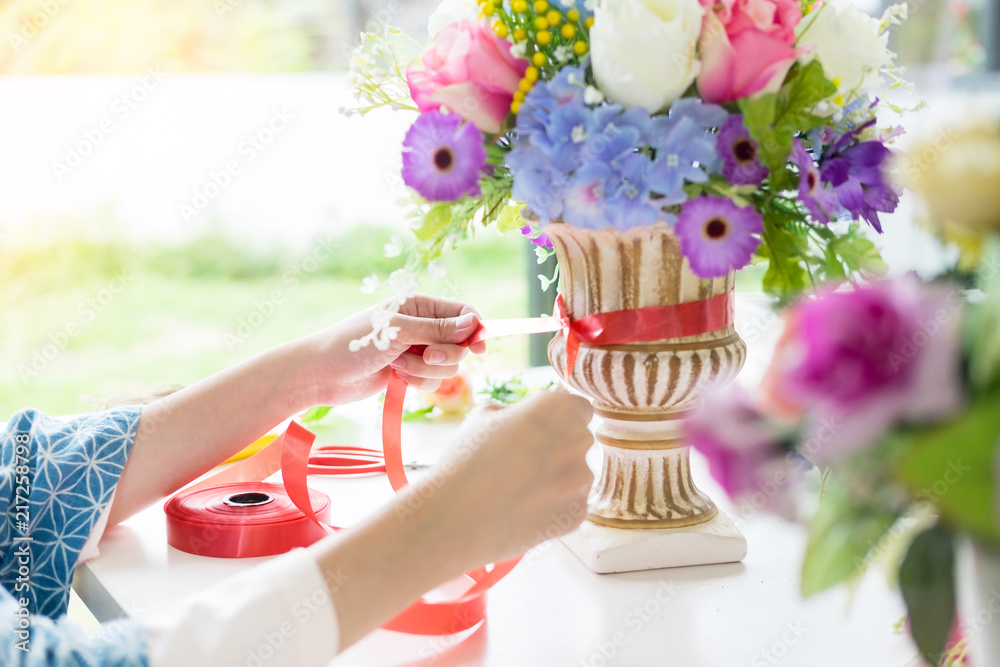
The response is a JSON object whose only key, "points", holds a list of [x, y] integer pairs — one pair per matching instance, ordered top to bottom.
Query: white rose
{"points": [[452, 11], [851, 46], [643, 51]]}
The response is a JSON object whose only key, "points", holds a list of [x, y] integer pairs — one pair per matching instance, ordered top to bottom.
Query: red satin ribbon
{"points": [[642, 325], [199, 521]]}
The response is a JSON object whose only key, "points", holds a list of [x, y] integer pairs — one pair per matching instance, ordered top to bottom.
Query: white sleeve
{"points": [[277, 614]]}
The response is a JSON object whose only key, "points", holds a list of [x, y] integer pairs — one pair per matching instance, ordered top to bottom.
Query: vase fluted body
{"points": [[642, 391]]}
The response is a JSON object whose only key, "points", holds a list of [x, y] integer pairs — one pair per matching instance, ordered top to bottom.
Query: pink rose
{"points": [[746, 47], [469, 70]]}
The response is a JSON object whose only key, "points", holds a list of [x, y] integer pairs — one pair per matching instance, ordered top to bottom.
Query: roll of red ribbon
{"points": [[243, 520]]}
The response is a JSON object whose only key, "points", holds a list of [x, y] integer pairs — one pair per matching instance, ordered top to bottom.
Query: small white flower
{"points": [[590, 5], [895, 15], [852, 47], [520, 49], [563, 54], [593, 96], [579, 134], [394, 248], [436, 270], [404, 284], [369, 285], [382, 318]]}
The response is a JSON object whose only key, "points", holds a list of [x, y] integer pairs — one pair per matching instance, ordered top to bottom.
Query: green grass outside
{"points": [[71, 328]]}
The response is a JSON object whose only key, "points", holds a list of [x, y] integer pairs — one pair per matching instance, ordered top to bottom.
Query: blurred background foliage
{"points": [[119, 36], [192, 308]]}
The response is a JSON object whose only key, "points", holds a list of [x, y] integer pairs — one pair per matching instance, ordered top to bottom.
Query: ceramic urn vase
{"points": [[642, 391]]}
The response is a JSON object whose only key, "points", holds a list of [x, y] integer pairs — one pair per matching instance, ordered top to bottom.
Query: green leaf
{"points": [[806, 89], [761, 116], [775, 118], [510, 218], [434, 221], [857, 251], [833, 269], [785, 277], [981, 324], [313, 415], [418, 415], [954, 466], [841, 535], [927, 582]]}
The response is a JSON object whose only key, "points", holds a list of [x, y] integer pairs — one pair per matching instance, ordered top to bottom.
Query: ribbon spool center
{"points": [[250, 499]]}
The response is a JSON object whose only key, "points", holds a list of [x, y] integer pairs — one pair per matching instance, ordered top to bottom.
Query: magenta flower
{"points": [[443, 158], [741, 163], [820, 202], [717, 235], [540, 239], [861, 361], [745, 452]]}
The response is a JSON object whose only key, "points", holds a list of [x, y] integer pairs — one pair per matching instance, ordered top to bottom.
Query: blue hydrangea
{"points": [[600, 165]]}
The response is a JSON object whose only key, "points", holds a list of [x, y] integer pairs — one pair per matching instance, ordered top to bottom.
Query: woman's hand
{"points": [[332, 374], [515, 477]]}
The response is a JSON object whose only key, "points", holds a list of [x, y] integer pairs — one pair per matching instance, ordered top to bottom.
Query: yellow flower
{"points": [[520, 6], [541, 6], [488, 8], [573, 15], [553, 17], [589, 22], [541, 23], [500, 29], [568, 31], [520, 35], [544, 38], [580, 48], [539, 59], [531, 74], [957, 175]]}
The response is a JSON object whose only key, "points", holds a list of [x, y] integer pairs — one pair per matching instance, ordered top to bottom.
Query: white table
{"points": [[551, 610]]}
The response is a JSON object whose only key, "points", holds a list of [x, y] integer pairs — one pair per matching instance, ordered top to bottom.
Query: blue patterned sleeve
{"points": [[56, 478]]}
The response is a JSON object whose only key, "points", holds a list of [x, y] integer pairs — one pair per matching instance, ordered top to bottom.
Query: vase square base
{"points": [[605, 550]]}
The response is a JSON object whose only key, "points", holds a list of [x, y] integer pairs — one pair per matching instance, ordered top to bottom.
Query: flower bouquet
{"points": [[749, 127], [656, 147], [891, 389]]}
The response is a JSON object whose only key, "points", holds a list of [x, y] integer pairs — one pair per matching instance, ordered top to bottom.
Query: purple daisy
{"points": [[443, 157], [740, 160], [820, 202], [717, 235]]}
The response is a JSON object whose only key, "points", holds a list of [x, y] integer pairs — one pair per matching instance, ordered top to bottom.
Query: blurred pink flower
{"points": [[746, 47], [470, 71], [859, 361], [745, 451]]}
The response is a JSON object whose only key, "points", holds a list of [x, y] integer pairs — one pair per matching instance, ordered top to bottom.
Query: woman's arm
{"points": [[186, 434], [514, 478]]}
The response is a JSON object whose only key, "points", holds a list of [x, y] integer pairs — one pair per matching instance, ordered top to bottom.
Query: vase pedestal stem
{"points": [[645, 511]]}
